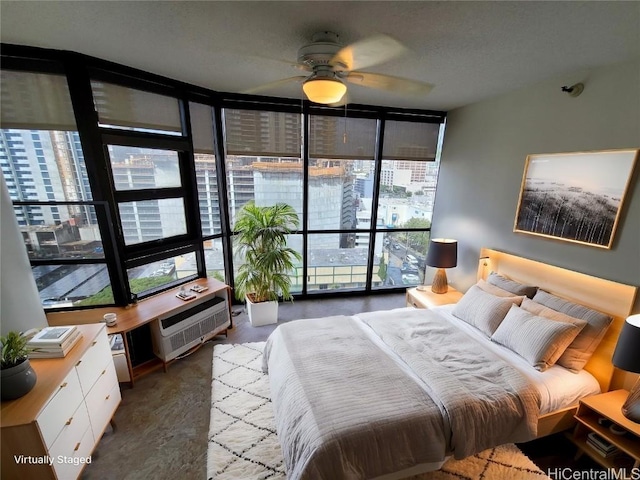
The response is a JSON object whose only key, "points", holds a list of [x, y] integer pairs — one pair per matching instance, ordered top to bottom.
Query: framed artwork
{"points": [[575, 197]]}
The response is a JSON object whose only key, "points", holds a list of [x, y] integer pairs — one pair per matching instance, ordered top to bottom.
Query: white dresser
{"points": [[57, 425]]}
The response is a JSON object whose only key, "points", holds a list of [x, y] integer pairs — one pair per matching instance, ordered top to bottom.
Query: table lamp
{"points": [[443, 253], [627, 357]]}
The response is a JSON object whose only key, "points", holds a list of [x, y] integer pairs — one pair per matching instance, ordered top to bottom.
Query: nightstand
{"points": [[427, 299], [606, 408]]}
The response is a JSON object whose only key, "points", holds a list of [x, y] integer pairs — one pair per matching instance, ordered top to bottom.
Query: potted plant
{"points": [[261, 238], [16, 374]]}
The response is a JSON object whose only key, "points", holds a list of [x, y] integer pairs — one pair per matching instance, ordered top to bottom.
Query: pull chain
{"points": [[344, 135]]}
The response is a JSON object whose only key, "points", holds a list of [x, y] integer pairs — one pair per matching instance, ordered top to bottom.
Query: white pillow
{"points": [[483, 310], [541, 341]]}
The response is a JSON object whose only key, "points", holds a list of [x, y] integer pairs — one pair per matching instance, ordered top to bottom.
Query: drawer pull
{"points": [[94, 342], [79, 362], [103, 372], [63, 385], [107, 398], [69, 421], [77, 447]]}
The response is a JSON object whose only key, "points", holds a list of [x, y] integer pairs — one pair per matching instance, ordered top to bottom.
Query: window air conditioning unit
{"points": [[195, 324]]}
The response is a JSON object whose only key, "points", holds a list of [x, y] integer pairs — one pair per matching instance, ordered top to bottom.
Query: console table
{"points": [[145, 311]]}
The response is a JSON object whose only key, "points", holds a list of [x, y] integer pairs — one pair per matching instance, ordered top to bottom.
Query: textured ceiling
{"points": [[469, 50]]}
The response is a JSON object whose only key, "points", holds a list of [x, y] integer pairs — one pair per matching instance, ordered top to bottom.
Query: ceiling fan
{"points": [[331, 65]]}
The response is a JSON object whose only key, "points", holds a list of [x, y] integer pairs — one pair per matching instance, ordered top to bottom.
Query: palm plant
{"points": [[262, 240], [14, 350]]}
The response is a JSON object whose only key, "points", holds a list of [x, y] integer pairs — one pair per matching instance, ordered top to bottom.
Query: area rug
{"points": [[242, 438]]}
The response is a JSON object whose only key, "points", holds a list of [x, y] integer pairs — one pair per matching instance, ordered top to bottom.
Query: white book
{"points": [[52, 336], [46, 351]]}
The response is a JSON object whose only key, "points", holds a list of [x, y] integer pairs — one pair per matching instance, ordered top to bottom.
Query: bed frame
{"points": [[615, 299]]}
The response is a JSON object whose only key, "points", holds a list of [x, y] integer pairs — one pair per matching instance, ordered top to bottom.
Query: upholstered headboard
{"points": [[612, 298]]}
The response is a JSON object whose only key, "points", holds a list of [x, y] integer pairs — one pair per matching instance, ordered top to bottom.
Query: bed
{"points": [[389, 394]]}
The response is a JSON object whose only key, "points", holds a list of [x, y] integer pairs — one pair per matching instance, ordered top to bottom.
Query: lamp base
{"points": [[440, 284], [631, 408]]}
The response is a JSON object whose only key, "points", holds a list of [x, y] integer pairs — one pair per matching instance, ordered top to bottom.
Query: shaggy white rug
{"points": [[242, 439]]}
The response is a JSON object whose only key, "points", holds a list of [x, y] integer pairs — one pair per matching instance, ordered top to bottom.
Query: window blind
{"points": [[36, 101], [130, 108], [201, 127], [262, 133], [339, 137], [410, 140]]}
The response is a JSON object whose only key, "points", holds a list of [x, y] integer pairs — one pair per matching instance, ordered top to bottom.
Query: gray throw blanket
{"points": [[345, 408]]}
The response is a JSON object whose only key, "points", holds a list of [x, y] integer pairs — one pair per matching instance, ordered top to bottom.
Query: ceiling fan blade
{"points": [[367, 52], [387, 82], [277, 83]]}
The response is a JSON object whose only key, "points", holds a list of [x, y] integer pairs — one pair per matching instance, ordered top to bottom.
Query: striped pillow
{"points": [[511, 285], [493, 290], [483, 310], [588, 339], [540, 341]]}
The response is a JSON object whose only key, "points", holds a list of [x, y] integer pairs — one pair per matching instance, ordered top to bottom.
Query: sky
{"points": [[594, 171]]}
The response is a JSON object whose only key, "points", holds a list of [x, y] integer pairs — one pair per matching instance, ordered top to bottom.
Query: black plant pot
{"points": [[17, 381]]}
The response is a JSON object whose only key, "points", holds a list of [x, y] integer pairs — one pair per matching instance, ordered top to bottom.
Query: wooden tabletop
{"points": [[145, 311]]}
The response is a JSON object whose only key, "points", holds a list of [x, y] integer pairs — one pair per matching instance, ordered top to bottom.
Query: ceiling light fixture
{"points": [[324, 90]]}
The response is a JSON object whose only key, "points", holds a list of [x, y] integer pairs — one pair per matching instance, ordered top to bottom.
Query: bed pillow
{"points": [[511, 285], [493, 290], [483, 310], [540, 341], [587, 341], [574, 356]]}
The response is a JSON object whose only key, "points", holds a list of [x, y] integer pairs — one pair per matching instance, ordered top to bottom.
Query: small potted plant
{"points": [[261, 241], [16, 374]]}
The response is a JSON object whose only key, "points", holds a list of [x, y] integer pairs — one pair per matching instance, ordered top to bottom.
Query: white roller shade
{"points": [[36, 101], [136, 109], [201, 127], [262, 133], [343, 138], [410, 140]]}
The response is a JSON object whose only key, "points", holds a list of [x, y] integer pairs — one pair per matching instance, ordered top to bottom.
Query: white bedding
{"points": [[559, 388], [347, 407]]}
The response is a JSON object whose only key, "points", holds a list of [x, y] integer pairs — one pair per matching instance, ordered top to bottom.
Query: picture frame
{"points": [[575, 197]]}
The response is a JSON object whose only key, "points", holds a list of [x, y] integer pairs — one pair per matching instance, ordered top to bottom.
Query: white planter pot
{"points": [[263, 313]]}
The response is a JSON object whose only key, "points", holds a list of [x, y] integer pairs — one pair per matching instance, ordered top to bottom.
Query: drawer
{"points": [[92, 362], [103, 400], [63, 403], [72, 433], [69, 464]]}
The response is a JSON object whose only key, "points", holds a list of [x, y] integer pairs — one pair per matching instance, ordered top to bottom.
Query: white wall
{"points": [[483, 161], [20, 307]]}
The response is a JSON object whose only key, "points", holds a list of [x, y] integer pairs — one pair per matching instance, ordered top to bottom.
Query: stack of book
{"points": [[53, 342], [602, 446]]}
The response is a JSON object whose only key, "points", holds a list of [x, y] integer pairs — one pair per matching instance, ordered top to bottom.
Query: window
{"points": [[263, 160], [43, 165], [169, 165], [206, 168]]}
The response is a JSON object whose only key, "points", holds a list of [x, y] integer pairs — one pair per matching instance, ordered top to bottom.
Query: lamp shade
{"points": [[324, 90], [443, 253], [627, 353]]}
